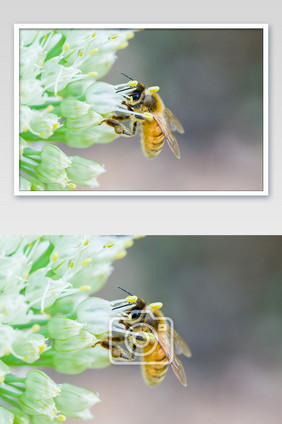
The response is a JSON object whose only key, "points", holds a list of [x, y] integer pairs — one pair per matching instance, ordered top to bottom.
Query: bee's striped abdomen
{"points": [[152, 140], [155, 365]]}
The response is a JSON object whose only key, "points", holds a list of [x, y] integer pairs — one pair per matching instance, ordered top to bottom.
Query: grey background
{"points": [[212, 80], [224, 296]]}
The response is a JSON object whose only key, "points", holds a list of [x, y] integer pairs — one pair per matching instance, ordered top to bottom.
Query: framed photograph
{"points": [[147, 110], [196, 322]]}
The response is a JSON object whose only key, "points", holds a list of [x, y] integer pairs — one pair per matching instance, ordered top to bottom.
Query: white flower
{"points": [[28, 346], [75, 401]]}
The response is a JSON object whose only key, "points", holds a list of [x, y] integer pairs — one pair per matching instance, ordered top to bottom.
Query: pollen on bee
{"points": [[132, 83], [154, 89], [148, 116], [131, 299], [156, 305]]}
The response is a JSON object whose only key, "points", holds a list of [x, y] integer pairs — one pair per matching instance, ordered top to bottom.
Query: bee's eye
{"points": [[136, 96], [135, 315]]}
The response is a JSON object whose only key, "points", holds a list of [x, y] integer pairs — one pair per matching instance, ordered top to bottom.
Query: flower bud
{"points": [[102, 97], [71, 108], [88, 120], [87, 137], [53, 158], [84, 171], [96, 313], [61, 328], [75, 343], [28, 346], [4, 369], [39, 386], [75, 401], [31, 406], [19, 416], [6, 417]]}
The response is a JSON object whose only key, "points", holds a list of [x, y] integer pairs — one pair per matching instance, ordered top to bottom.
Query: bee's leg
{"points": [[119, 128], [115, 350]]}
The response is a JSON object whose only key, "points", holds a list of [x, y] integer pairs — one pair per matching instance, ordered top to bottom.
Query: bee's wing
{"points": [[172, 122], [171, 140], [179, 344], [175, 363]]}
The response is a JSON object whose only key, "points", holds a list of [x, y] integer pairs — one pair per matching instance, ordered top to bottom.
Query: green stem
{"points": [[30, 152], [28, 164], [27, 171], [31, 324], [9, 378], [9, 393], [10, 401]]}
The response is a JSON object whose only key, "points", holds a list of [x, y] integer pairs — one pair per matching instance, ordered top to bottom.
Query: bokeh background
{"points": [[212, 80], [224, 295]]}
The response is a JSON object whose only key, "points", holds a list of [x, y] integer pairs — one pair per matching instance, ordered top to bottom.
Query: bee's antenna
{"points": [[126, 76], [125, 291], [122, 306]]}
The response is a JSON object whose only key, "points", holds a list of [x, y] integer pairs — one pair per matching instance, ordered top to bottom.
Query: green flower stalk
{"points": [[61, 101], [47, 318]]}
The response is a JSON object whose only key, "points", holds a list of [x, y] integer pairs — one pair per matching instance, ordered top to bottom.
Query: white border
{"points": [[127, 193]]}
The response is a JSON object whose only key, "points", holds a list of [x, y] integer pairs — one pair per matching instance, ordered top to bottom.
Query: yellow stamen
{"points": [[93, 34], [130, 35], [113, 37], [123, 45], [66, 47], [94, 51], [81, 53], [41, 63], [92, 74], [132, 83], [153, 89], [50, 108], [55, 126], [25, 128], [72, 185], [139, 237], [86, 242], [128, 243], [110, 244], [121, 254], [54, 256], [86, 262], [71, 264], [84, 288], [131, 299], [156, 305], [35, 328], [42, 348], [25, 358], [62, 418]]}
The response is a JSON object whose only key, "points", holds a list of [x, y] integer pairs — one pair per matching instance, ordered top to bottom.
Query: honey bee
{"points": [[145, 106], [147, 329]]}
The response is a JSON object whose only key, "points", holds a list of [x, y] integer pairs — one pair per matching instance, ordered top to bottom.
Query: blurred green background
{"points": [[212, 80], [224, 295]]}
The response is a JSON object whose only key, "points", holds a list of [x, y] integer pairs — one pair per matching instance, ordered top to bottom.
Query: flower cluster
{"points": [[62, 101], [48, 319]]}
